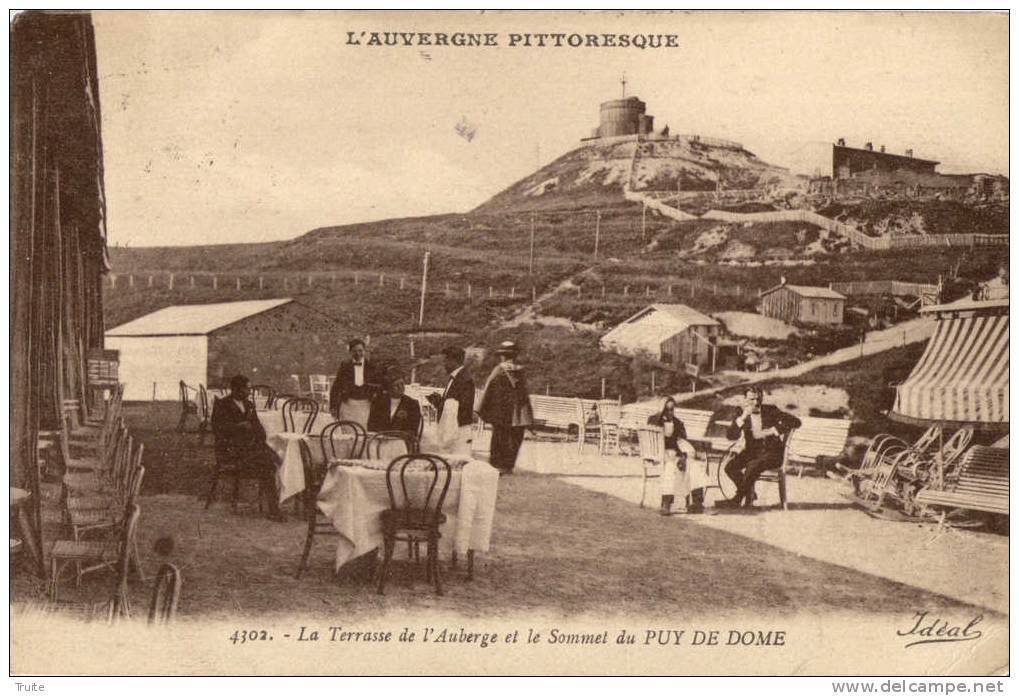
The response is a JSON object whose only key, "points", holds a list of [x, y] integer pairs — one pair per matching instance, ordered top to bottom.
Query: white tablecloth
{"points": [[291, 472], [354, 497]]}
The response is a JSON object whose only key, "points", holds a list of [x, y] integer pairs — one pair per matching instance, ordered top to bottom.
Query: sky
{"points": [[254, 126]]}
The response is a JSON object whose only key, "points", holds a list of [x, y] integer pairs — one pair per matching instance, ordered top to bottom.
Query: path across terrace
{"points": [[821, 524]]}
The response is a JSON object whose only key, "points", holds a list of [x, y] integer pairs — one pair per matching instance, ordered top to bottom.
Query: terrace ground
{"points": [[568, 542], [570, 548]]}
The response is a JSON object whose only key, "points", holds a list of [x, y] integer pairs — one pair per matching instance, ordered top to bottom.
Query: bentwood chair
{"points": [[262, 395], [299, 414], [343, 430], [373, 449], [417, 486], [318, 524], [165, 595]]}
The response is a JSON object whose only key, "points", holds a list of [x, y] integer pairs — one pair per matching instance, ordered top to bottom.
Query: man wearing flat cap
{"points": [[357, 383], [506, 406]]}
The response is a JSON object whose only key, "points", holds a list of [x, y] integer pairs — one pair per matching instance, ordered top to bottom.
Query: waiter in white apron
{"points": [[356, 384], [455, 405], [683, 475]]}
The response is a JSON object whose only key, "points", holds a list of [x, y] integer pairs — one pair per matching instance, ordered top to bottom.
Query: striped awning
{"points": [[962, 376]]}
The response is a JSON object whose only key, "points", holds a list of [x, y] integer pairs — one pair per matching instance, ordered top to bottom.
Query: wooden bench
{"points": [[560, 412], [694, 421], [815, 439], [982, 484]]}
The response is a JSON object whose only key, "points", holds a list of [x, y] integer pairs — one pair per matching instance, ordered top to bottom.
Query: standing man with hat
{"points": [[356, 384], [506, 406]]}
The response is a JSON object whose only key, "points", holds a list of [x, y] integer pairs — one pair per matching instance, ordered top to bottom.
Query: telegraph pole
{"points": [[597, 234], [530, 266], [424, 289]]}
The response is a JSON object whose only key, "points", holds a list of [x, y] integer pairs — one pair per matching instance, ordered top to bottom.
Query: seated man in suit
{"points": [[393, 410], [764, 429], [240, 441]]}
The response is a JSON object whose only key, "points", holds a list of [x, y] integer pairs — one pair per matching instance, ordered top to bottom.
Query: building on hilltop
{"points": [[623, 117], [847, 162], [803, 304], [671, 333], [266, 340]]}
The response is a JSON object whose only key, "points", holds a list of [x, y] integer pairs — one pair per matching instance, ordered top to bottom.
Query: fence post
{"points": [[355, 277], [382, 279], [113, 280], [309, 280], [130, 281], [150, 281], [171, 281], [191, 281], [215, 282], [238, 282], [284, 282], [401, 282], [261, 283], [447, 288], [670, 289], [626, 290], [490, 291], [513, 291], [603, 291], [647, 291], [468, 292], [534, 294], [603, 387], [548, 389]]}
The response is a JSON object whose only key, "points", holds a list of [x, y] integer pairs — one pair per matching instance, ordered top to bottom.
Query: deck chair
{"points": [[882, 448], [921, 467]]}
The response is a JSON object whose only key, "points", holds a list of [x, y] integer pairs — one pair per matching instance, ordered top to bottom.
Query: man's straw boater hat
{"points": [[507, 348]]}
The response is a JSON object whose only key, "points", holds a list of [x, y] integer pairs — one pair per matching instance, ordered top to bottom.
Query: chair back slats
{"points": [[320, 387], [299, 415], [343, 428], [651, 443], [427, 500], [165, 595]]}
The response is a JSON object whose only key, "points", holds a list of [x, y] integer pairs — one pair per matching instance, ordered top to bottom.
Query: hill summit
{"points": [[598, 172]]}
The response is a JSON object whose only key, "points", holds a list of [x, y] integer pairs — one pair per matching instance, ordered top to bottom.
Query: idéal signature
{"points": [[930, 629]]}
